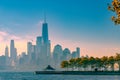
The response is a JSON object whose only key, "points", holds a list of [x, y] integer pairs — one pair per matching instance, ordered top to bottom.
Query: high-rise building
{"points": [[45, 32], [39, 41], [39, 44], [12, 48], [45, 49], [29, 50], [13, 51], [78, 51], [6, 52], [66, 54], [74, 54], [33, 55], [57, 55], [6, 56]]}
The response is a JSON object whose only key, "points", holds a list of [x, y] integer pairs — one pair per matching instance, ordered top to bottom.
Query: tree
{"points": [[115, 7], [117, 58], [104, 61], [111, 61], [84, 62], [92, 62], [98, 62], [72, 63], [65, 64], [78, 65]]}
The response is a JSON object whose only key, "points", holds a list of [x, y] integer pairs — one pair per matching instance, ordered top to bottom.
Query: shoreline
{"points": [[78, 72]]}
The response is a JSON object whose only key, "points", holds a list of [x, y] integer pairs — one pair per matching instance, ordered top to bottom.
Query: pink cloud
{"points": [[5, 36], [20, 41]]}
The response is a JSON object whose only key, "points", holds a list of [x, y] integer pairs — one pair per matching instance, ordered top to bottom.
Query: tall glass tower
{"points": [[45, 32], [45, 49], [12, 50], [6, 52]]}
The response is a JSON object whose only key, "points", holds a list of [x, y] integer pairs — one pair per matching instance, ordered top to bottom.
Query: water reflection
{"points": [[32, 76]]}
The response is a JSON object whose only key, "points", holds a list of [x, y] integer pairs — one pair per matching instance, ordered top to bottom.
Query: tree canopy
{"points": [[115, 7], [93, 62]]}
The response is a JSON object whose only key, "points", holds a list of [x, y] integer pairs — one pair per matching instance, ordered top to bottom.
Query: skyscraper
{"points": [[45, 32], [39, 43], [45, 49], [29, 50], [78, 51], [6, 52], [13, 53], [66, 54], [76, 54], [6, 55], [57, 55]]}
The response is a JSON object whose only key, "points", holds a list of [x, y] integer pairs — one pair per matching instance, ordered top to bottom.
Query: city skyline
{"points": [[78, 24], [38, 55]]}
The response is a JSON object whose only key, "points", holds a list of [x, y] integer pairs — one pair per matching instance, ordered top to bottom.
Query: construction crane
{"points": [[115, 7]]}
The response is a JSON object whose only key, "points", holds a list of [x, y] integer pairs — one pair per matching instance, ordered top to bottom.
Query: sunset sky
{"points": [[72, 23]]}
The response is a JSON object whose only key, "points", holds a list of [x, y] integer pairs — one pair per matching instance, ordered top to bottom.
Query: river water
{"points": [[32, 76]]}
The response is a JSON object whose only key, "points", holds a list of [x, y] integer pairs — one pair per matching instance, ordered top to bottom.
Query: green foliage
{"points": [[115, 7], [117, 58], [85, 62], [64, 64]]}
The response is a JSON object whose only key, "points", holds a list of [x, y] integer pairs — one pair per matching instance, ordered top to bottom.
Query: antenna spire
{"points": [[44, 17]]}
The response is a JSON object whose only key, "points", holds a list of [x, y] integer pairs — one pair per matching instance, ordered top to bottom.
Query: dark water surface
{"points": [[32, 76]]}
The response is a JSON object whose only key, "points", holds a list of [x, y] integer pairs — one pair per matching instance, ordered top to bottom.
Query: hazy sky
{"points": [[72, 23]]}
